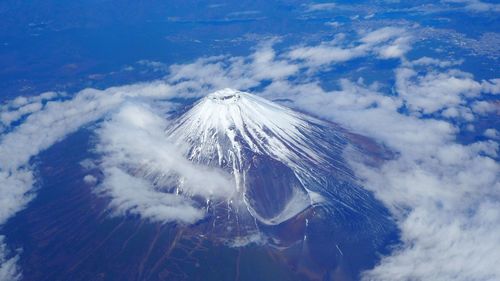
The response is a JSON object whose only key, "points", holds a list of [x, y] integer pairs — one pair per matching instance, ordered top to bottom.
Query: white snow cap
{"points": [[226, 96], [244, 119], [228, 126]]}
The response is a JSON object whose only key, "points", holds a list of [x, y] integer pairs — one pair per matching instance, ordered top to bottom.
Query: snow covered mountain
{"points": [[282, 161]]}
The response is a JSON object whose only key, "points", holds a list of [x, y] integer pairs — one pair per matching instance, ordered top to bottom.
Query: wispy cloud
{"points": [[476, 5], [314, 7], [388, 42], [439, 90], [147, 175], [9, 270]]}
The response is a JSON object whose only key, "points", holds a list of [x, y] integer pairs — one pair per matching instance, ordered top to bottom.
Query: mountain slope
{"points": [[282, 161]]}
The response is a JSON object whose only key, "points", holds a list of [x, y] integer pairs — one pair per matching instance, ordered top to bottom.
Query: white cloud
{"points": [[477, 5], [320, 7], [382, 35], [396, 42], [386, 43], [326, 54], [427, 61], [154, 65], [265, 66], [206, 75], [492, 86], [440, 90], [484, 107], [15, 109], [367, 111], [11, 116], [41, 129], [492, 134], [136, 136], [90, 179], [160, 181], [435, 187], [14, 190], [133, 195], [444, 195], [242, 241], [445, 246], [8, 265]]}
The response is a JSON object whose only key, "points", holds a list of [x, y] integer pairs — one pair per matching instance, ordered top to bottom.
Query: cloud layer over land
{"points": [[134, 140], [444, 194]]}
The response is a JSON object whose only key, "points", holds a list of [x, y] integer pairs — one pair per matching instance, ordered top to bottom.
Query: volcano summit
{"points": [[239, 156], [282, 161], [290, 176]]}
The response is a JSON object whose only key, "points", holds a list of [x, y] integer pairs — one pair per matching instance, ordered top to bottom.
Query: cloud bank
{"points": [[476, 5], [42, 128], [148, 176], [444, 194], [8, 266]]}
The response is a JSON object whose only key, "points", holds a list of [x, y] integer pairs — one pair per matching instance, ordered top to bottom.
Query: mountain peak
{"points": [[227, 96], [228, 121], [259, 141]]}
